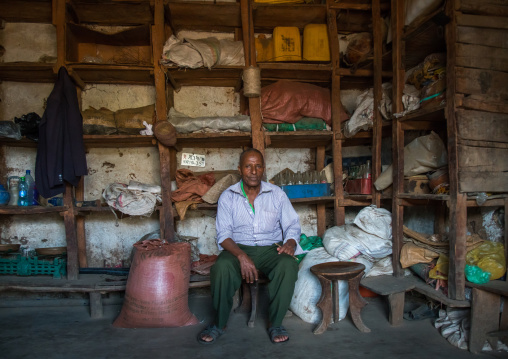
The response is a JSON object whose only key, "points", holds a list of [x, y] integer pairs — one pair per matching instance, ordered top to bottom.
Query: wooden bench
{"points": [[396, 287], [486, 321]]}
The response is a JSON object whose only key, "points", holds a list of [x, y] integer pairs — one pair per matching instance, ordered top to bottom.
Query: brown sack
{"points": [[98, 122], [156, 295]]}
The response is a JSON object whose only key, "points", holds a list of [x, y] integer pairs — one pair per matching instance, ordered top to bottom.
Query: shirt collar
{"points": [[265, 187]]}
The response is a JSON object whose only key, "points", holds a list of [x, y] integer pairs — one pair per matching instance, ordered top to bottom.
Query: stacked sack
{"points": [[368, 241]]}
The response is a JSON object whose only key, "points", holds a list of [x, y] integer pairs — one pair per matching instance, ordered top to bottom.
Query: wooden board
{"points": [[485, 7], [495, 22], [481, 36], [474, 56], [482, 82], [482, 102], [482, 126], [481, 159], [470, 181], [494, 286], [484, 318]]}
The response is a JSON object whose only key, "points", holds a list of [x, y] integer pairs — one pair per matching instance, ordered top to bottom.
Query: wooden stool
{"points": [[330, 273], [249, 298]]}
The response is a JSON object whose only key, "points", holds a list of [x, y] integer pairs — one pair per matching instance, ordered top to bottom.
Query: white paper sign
{"points": [[190, 159]]}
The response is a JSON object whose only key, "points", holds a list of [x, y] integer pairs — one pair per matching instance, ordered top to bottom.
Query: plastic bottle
{"points": [[367, 170], [31, 184], [23, 192], [36, 196]]}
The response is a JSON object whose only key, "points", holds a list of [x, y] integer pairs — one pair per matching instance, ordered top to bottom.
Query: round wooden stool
{"points": [[330, 273]]}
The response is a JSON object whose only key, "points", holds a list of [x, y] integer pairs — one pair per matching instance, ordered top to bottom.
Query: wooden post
{"points": [[59, 22], [161, 108], [377, 120], [397, 134], [258, 138], [320, 208], [458, 209], [339, 210], [80, 226], [70, 233]]}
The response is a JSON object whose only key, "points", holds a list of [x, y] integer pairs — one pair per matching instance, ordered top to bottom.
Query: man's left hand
{"points": [[289, 247]]}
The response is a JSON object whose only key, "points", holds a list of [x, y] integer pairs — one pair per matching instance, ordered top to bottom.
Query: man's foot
{"points": [[210, 334], [278, 334]]}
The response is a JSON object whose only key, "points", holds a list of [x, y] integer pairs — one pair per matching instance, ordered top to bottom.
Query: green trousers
{"points": [[226, 278]]}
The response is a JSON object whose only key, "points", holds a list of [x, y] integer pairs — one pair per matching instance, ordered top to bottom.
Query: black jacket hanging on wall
{"points": [[60, 151]]}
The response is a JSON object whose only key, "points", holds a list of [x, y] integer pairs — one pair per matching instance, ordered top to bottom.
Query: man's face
{"points": [[252, 169]]}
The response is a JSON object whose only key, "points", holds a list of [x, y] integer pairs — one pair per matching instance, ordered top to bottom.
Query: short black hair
{"points": [[250, 149]]}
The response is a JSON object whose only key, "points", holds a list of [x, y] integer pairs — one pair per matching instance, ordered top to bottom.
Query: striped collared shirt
{"points": [[274, 220]]}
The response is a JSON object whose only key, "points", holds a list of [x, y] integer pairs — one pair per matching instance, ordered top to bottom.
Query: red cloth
{"points": [[191, 187], [204, 264]]}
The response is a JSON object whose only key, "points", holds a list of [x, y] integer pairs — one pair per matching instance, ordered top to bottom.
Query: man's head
{"points": [[252, 167]]}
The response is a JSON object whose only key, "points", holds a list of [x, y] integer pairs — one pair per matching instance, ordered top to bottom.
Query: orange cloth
{"points": [[191, 187]]}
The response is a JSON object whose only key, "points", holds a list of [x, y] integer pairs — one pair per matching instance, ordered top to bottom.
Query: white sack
{"points": [[416, 8], [231, 53], [181, 54], [424, 154], [376, 221], [349, 241], [381, 267], [308, 289]]}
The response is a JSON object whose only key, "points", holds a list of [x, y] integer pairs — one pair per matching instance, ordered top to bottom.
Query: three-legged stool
{"points": [[328, 275]]}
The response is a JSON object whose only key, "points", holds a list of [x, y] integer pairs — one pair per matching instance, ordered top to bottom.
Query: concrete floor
{"points": [[68, 332]]}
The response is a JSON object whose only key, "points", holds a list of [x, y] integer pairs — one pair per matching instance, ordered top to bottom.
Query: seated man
{"points": [[257, 229]]}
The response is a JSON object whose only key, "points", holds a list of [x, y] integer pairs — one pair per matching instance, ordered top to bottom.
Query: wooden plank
{"points": [[485, 7], [26, 11], [494, 22], [59, 23], [481, 36], [469, 55], [482, 82], [377, 90], [483, 103], [482, 126], [397, 133], [481, 159], [472, 181], [79, 193], [320, 208], [458, 208], [339, 211], [70, 234], [506, 246], [387, 284], [494, 286], [430, 292], [396, 303], [96, 309], [484, 319]]}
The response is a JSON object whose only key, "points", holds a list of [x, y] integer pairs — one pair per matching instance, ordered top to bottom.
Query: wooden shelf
{"points": [[35, 11], [110, 12], [267, 16], [419, 23], [27, 72], [113, 74], [221, 76], [426, 114], [299, 139], [113, 141], [408, 199], [31, 210]]}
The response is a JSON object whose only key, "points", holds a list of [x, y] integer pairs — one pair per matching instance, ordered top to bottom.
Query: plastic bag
{"points": [[29, 125], [10, 129], [376, 221], [489, 257], [440, 271], [475, 274]]}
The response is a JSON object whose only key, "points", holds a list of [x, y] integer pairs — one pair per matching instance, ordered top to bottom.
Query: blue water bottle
{"points": [[23, 192]]}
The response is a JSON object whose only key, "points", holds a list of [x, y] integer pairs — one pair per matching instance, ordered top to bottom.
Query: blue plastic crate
{"points": [[307, 190]]}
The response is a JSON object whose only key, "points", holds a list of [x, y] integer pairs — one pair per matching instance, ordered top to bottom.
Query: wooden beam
{"points": [[485, 7], [59, 22], [493, 22], [378, 81], [397, 133], [458, 203], [320, 208], [80, 226], [70, 234], [484, 319]]}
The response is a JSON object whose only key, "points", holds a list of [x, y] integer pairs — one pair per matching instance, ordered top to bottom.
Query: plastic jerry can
{"points": [[315, 43], [287, 44], [264, 48]]}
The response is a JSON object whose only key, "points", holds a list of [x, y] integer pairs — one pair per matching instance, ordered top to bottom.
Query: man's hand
{"points": [[289, 247], [249, 271]]}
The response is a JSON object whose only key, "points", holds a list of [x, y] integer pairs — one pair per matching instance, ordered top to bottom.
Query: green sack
{"points": [[304, 124], [308, 244]]}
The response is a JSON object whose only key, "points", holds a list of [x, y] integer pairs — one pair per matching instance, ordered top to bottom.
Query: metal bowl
{"points": [[6, 248], [50, 251]]}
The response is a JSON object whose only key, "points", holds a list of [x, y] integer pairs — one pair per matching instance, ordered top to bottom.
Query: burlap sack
{"points": [[130, 120], [98, 122], [213, 194], [156, 295]]}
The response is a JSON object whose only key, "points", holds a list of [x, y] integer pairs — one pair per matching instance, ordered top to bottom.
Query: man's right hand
{"points": [[249, 271]]}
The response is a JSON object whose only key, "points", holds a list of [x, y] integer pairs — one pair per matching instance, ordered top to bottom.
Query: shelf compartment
{"points": [[27, 11], [111, 12], [204, 16], [267, 17], [129, 47], [296, 71], [27, 72], [113, 74], [221, 76], [426, 114], [299, 139], [214, 140], [14, 210]]}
